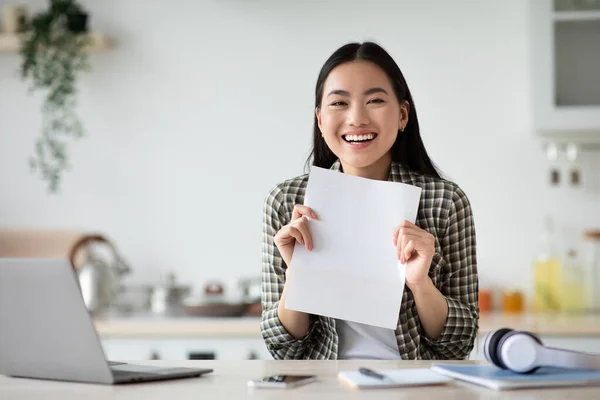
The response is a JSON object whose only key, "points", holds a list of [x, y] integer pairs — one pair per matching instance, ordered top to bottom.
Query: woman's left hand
{"points": [[415, 248]]}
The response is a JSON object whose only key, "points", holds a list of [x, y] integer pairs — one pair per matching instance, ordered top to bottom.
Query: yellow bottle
{"points": [[547, 273], [547, 285], [574, 294]]}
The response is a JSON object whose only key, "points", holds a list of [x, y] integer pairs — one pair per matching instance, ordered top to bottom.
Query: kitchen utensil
{"points": [[99, 279], [251, 290], [168, 298], [133, 299], [213, 303], [204, 309]]}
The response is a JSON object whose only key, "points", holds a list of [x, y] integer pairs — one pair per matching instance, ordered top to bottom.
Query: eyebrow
{"points": [[366, 92]]}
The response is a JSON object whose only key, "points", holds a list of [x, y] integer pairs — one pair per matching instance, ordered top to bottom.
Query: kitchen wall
{"points": [[205, 105]]}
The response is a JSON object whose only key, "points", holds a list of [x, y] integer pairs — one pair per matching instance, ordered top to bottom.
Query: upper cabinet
{"points": [[566, 62]]}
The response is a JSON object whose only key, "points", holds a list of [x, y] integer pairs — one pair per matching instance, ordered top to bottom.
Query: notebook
{"points": [[395, 378], [501, 379]]}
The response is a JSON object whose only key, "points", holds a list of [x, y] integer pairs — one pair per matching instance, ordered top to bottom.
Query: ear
{"points": [[404, 111], [318, 114]]}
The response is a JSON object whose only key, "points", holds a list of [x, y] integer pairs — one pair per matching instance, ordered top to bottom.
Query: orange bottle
{"points": [[485, 300], [512, 301]]}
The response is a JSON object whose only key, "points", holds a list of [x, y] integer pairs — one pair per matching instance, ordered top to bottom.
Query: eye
{"points": [[376, 100], [338, 103]]}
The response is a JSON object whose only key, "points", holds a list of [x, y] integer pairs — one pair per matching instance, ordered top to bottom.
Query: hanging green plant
{"points": [[53, 54]]}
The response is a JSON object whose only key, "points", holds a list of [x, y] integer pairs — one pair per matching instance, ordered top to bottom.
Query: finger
{"points": [[301, 210], [407, 224], [302, 226], [403, 229], [413, 229], [287, 234], [296, 234], [398, 234], [395, 235], [398, 241], [403, 241], [399, 244], [408, 251]]}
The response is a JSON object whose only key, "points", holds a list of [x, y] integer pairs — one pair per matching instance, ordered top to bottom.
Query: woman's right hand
{"points": [[296, 230]]}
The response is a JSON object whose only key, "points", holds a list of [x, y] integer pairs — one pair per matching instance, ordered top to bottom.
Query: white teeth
{"points": [[358, 138]]}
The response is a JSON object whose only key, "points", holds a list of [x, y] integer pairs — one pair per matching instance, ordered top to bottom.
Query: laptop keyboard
{"points": [[128, 374]]}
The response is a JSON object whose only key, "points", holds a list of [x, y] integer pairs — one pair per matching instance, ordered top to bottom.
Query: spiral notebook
{"points": [[394, 378], [501, 379]]}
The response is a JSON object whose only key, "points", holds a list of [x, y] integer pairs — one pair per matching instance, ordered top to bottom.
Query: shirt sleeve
{"points": [[458, 283], [279, 342]]}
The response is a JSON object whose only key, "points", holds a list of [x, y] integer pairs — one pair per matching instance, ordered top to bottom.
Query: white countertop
{"points": [[182, 327], [249, 327], [229, 381]]}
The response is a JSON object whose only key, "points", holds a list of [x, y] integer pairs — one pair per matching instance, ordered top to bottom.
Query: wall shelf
{"points": [[576, 15], [10, 43]]}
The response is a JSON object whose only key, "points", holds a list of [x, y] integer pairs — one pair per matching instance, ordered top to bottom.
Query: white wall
{"points": [[205, 105]]}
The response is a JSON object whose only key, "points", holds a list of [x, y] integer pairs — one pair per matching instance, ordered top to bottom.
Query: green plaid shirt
{"points": [[445, 212]]}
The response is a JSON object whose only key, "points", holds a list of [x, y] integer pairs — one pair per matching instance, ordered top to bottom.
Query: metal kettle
{"points": [[99, 279]]}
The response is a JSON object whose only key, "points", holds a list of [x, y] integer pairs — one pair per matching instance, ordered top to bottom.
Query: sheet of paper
{"points": [[353, 272], [395, 378]]}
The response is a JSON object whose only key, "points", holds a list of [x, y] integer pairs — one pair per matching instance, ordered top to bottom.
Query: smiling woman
{"points": [[366, 125]]}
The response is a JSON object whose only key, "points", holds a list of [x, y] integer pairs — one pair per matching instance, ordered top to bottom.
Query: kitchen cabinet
{"points": [[566, 68], [181, 338], [177, 348]]}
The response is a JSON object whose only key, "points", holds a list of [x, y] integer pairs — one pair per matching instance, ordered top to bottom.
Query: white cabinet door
{"points": [[566, 61], [184, 349]]}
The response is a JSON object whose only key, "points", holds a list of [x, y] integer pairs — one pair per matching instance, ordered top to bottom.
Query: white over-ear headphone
{"points": [[524, 352]]}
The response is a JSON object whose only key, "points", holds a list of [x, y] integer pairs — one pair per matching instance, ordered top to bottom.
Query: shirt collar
{"points": [[398, 173]]}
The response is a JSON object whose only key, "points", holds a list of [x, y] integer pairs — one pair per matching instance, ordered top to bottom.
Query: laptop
{"points": [[46, 331]]}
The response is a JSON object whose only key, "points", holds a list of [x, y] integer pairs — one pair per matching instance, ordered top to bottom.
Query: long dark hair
{"points": [[408, 149]]}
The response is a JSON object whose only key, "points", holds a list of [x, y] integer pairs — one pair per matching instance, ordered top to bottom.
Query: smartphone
{"points": [[282, 381]]}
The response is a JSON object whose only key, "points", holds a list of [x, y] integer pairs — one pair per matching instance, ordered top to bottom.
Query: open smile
{"points": [[361, 138]]}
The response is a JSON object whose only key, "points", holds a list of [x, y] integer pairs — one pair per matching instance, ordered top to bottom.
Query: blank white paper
{"points": [[353, 272]]}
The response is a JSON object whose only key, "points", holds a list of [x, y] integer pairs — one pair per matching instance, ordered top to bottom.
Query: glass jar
{"points": [[592, 249], [547, 271], [574, 290], [512, 301]]}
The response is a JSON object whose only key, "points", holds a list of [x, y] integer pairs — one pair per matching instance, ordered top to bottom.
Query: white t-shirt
{"points": [[359, 342]]}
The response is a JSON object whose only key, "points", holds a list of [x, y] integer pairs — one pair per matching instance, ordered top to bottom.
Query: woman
{"points": [[366, 125]]}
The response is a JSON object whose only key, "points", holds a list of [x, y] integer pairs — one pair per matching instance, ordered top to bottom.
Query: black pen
{"points": [[371, 373]]}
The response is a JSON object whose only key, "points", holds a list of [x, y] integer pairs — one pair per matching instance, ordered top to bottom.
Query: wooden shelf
{"points": [[576, 15], [10, 43]]}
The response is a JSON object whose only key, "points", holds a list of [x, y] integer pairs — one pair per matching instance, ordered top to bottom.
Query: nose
{"points": [[358, 115]]}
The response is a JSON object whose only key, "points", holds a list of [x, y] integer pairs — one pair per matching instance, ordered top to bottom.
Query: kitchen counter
{"points": [[543, 324], [181, 327], [249, 327], [229, 381]]}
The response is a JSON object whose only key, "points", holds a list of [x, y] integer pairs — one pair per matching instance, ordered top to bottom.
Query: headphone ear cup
{"points": [[513, 333], [534, 337], [490, 346]]}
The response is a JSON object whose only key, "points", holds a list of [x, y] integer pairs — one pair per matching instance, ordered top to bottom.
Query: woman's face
{"points": [[360, 115]]}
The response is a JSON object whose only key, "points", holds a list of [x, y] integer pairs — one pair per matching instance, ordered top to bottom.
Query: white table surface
{"points": [[229, 381]]}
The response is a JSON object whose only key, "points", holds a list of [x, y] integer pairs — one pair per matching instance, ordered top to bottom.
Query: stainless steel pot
{"points": [[168, 298]]}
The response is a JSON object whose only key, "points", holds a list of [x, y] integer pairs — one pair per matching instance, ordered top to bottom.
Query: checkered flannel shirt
{"points": [[445, 212]]}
